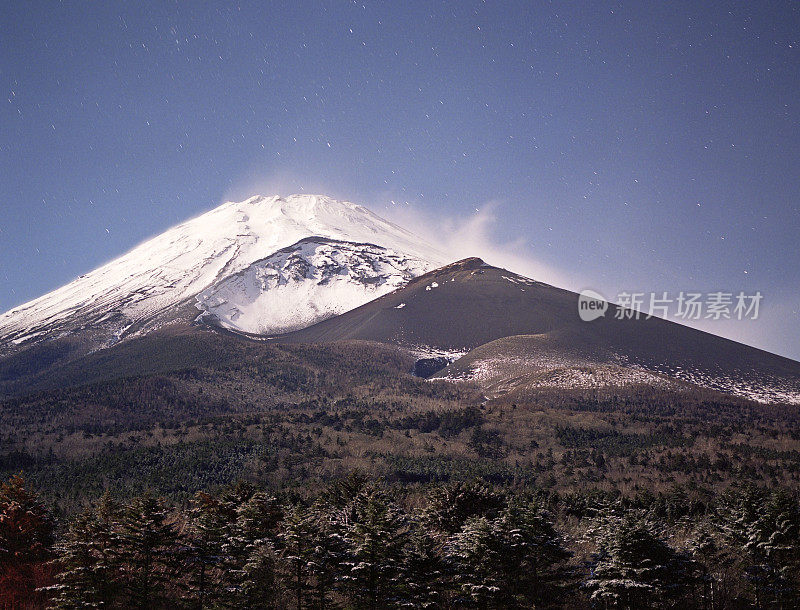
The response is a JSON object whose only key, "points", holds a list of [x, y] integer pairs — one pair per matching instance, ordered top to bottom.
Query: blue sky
{"points": [[614, 145]]}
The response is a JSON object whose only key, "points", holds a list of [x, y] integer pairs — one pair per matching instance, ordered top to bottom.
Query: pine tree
{"points": [[343, 491], [450, 506], [257, 519], [26, 527], [765, 529], [373, 531], [295, 538], [26, 539], [773, 546], [782, 546], [312, 550], [203, 551], [148, 553], [706, 553], [326, 554], [474, 555], [532, 556], [250, 558], [89, 559], [514, 560], [635, 568], [424, 576], [719, 578], [76, 584], [259, 586]]}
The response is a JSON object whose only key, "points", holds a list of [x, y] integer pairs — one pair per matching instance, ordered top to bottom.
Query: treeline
{"points": [[361, 544]]}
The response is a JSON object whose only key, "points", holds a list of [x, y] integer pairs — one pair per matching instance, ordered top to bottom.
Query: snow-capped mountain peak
{"points": [[141, 289]]}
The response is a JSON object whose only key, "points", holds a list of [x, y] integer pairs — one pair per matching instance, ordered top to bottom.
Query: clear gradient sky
{"points": [[617, 145]]}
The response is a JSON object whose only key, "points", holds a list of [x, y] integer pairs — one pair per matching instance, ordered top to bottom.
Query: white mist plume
{"points": [[474, 235]]}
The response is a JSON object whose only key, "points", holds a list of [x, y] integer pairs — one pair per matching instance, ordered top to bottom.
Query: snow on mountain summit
{"points": [[135, 292]]}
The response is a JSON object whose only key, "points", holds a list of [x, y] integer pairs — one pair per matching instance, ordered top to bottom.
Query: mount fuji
{"points": [[264, 265], [312, 270]]}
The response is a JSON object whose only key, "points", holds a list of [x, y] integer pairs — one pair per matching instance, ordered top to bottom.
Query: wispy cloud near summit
{"points": [[476, 235]]}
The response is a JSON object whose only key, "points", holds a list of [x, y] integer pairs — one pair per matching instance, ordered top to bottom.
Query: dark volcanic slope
{"points": [[467, 304], [459, 306]]}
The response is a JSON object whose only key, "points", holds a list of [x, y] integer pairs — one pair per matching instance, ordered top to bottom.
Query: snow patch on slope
{"points": [[305, 283], [428, 351], [500, 374], [765, 390]]}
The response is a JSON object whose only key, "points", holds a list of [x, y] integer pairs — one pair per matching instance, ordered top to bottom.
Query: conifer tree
{"points": [[343, 491], [450, 506], [257, 519], [26, 527], [373, 531], [295, 538], [26, 539], [781, 546], [773, 547], [248, 548], [312, 550], [204, 551], [148, 552], [473, 553], [326, 554], [532, 557], [89, 559], [514, 560], [635, 568], [716, 569], [425, 581], [259, 586]]}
